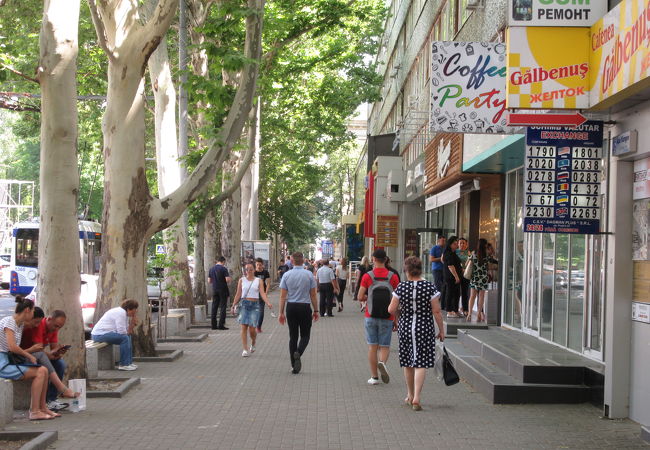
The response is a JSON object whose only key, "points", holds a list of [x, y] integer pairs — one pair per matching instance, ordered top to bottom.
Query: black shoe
{"points": [[215, 328], [222, 328], [297, 365]]}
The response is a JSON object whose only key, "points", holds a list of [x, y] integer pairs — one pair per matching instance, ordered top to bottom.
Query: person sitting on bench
{"points": [[114, 328]]}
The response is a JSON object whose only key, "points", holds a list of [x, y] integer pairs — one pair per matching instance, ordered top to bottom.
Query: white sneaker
{"points": [[273, 314], [252, 349], [245, 354], [129, 367], [383, 372], [374, 381], [56, 405]]}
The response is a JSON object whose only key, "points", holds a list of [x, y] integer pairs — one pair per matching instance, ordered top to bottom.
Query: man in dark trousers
{"points": [[219, 277], [298, 293]]}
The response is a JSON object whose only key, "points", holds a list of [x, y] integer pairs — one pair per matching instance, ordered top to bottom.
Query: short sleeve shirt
{"points": [[436, 252], [380, 272], [218, 275], [263, 275], [325, 275], [298, 283], [9, 323], [39, 335]]}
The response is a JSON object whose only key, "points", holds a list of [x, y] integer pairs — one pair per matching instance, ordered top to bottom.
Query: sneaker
{"points": [[273, 314], [251, 349], [245, 354], [297, 364], [129, 367], [383, 372], [373, 381], [56, 405]]}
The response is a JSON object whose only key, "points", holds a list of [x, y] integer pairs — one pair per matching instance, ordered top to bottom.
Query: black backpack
{"points": [[380, 294]]}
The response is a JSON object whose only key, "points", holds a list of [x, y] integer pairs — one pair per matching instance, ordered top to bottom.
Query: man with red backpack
{"points": [[376, 289]]}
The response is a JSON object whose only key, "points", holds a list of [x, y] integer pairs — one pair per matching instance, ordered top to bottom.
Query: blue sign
{"points": [[562, 182], [327, 247]]}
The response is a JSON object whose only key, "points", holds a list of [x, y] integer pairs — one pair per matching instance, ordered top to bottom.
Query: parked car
{"points": [[5, 271]]}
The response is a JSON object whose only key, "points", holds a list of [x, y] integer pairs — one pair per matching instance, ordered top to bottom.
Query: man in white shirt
{"points": [[328, 287], [114, 328]]}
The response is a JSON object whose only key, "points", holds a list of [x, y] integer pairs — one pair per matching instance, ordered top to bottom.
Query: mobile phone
{"points": [[63, 349]]}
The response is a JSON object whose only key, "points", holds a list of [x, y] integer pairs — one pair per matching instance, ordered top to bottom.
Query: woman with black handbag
{"points": [[415, 302], [17, 364]]}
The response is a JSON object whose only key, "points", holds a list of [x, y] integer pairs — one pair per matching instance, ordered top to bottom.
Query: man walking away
{"points": [[435, 256], [219, 277], [265, 281], [327, 286], [376, 289], [297, 291]]}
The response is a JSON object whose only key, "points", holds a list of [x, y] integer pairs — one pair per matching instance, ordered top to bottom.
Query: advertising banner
{"points": [[555, 13], [620, 51], [548, 68], [467, 88], [562, 183], [641, 184], [250, 250]]}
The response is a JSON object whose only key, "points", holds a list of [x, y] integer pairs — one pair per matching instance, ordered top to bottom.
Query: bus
{"points": [[24, 254]]}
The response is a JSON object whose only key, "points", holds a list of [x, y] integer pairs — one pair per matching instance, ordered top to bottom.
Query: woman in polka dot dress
{"points": [[415, 301]]}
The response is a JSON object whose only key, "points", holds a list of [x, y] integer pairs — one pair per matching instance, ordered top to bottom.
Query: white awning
{"points": [[447, 196]]}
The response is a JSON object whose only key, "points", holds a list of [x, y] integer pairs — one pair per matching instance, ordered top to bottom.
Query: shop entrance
{"points": [[427, 239]]}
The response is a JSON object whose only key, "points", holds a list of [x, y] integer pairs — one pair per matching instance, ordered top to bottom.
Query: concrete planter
{"points": [[187, 338], [165, 355], [123, 388], [37, 440]]}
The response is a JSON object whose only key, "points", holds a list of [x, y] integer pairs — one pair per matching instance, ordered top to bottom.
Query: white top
{"points": [[342, 273], [325, 275], [250, 289], [113, 321], [9, 323]]}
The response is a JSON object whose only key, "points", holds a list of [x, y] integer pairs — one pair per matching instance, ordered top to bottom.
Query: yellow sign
{"points": [[620, 54], [548, 68]]}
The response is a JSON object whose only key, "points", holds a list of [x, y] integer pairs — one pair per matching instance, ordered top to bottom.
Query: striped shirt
{"points": [[9, 323]]}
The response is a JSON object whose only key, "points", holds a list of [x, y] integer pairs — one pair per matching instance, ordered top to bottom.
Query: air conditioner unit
{"points": [[475, 4], [418, 171]]}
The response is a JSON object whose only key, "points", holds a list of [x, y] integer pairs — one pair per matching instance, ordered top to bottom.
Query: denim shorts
{"points": [[249, 313], [379, 331]]}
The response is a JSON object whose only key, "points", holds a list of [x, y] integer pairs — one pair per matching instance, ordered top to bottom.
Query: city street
{"points": [[214, 398]]}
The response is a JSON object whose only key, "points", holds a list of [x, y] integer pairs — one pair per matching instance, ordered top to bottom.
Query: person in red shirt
{"points": [[378, 330], [35, 340]]}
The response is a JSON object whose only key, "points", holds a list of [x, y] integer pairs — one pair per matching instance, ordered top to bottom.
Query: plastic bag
{"points": [[79, 403]]}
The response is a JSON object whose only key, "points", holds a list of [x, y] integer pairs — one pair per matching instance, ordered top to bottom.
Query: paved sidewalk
{"points": [[213, 398]]}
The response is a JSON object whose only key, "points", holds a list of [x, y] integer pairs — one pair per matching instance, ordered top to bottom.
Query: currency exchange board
{"points": [[563, 176]]}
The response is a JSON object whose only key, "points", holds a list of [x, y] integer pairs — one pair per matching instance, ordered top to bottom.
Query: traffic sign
{"points": [[561, 120], [160, 249]]}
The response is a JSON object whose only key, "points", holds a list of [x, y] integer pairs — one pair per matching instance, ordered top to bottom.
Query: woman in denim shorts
{"points": [[249, 292]]}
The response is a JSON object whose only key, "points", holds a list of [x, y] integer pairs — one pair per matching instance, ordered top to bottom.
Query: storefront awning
{"points": [[504, 156]]}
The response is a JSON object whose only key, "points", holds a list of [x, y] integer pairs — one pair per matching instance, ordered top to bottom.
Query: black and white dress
{"points": [[415, 327]]}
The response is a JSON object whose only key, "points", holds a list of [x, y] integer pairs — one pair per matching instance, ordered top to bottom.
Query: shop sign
{"points": [[555, 13], [620, 50], [548, 68], [467, 88], [624, 143], [562, 183], [641, 185], [641, 230], [387, 231], [411, 239], [327, 248], [641, 312]]}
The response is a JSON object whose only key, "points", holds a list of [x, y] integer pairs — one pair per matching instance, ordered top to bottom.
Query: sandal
{"points": [[69, 393], [408, 402], [417, 407], [52, 413], [39, 415]]}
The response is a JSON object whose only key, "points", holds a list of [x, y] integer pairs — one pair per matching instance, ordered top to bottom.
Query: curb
{"points": [[191, 338], [163, 356], [126, 386], [40, 440]]}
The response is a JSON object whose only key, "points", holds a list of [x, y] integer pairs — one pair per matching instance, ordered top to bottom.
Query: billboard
{"points": [[555, 13], [620, 51], [548, 68], [467, 88], [562, 180]]}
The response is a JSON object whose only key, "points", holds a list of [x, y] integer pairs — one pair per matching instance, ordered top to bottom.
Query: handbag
{"points": [[469, 270], [449, 374]]}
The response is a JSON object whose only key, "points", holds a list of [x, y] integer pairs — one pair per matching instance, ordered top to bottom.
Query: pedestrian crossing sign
{"points": [[160, 249]]}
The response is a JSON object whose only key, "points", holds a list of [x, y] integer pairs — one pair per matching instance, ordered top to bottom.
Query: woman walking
{"points": [[463, 254], [452, 273], [342, 276], [479, 282], [249, 291], [415, 301], [11, 331]]}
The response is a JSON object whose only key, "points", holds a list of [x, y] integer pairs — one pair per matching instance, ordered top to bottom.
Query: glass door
{"points": [[532, 280]]}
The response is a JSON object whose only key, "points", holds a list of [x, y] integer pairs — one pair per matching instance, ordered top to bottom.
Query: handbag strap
{"points": [[249, 287]]}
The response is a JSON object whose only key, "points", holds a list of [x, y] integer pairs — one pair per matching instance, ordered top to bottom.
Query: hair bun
{"points": [[20, 299]]}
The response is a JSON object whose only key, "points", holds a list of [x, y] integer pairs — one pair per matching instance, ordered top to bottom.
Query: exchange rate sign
{"points": [[562, 185]]}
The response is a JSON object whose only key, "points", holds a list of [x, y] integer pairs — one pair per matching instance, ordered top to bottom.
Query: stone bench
{"points": [[208, 310], [185, 312], [199, 313], [175, 324], [100, 356], [6, 401]]}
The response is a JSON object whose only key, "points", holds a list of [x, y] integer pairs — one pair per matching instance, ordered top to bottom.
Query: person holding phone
{"points": [[44, 333]]}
